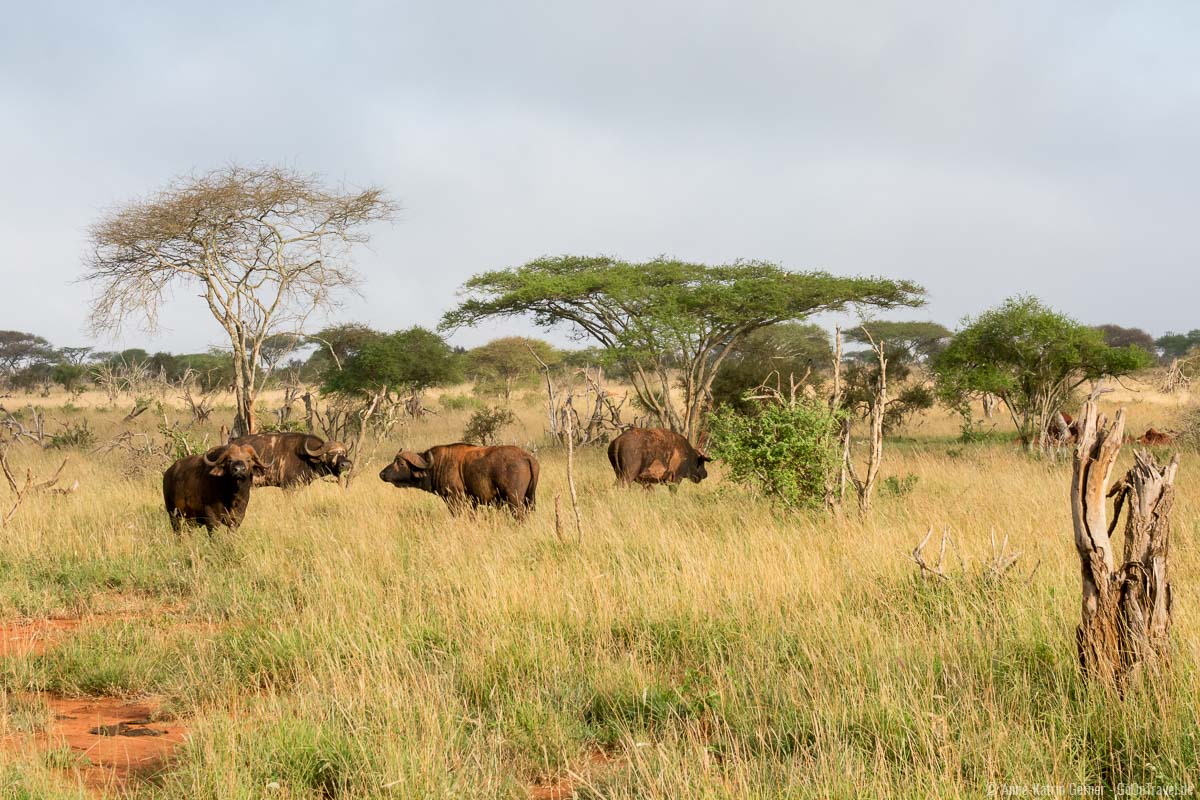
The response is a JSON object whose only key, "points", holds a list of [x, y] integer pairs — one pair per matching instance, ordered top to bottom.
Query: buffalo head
{"points": [[329, 457], [237, 461], [406, 469], [698, 472]]}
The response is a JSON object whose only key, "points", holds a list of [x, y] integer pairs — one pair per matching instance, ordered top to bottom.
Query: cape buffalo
{"points": [[1156, 438], [655, 455], [296, 459], [466, 476], [211, 489]]}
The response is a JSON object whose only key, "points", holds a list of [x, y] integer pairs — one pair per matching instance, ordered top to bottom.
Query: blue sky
{"points": [[983, 150]]}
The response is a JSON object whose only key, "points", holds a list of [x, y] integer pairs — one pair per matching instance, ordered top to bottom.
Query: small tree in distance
{"points": [[264, 246], [1118, 336], [1032, 358], [412, 360], [504, 364]]}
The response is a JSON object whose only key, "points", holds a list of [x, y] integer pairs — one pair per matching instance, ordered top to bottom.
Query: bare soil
{"points": [[115, 740], [564, 786]]}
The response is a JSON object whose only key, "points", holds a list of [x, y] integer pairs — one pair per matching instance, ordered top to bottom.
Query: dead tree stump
{"points": [[1126, 612]]}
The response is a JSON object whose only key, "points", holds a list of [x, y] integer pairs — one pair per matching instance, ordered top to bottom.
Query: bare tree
{"points": [[266, 247]]}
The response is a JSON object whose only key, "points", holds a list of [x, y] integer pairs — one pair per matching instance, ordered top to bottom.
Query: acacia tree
{"points": [[266, 247], [670, 323], [909, 345], [19, 350], [779, 354], [1032, 358], [412, 360], [500, 365]]}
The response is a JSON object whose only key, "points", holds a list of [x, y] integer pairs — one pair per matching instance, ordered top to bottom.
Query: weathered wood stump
{"points": [[1126, 614]]}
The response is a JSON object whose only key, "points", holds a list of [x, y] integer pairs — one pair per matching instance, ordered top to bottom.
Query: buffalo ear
{"points": [[702, 456], [414, 460], [256, 463]]}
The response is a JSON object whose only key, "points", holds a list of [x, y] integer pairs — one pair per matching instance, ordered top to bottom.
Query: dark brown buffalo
{"points": [[1156, 438], [655, 455], [296, 459], [467, 476], [211, 489]]}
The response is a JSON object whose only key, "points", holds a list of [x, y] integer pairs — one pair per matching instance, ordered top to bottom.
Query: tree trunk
{"points": [[866, 485], [1126, 612]]}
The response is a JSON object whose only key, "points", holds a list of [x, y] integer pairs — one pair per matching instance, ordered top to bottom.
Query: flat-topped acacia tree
{"points": [[264, 247], [669, 323]]}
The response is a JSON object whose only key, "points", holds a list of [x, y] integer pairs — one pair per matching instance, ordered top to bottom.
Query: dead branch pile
{"points": [[567, 393], [34, 431], [22, 489], [997, 565]]}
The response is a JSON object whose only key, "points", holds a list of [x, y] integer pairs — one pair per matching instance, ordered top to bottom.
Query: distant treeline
{"points": [[349, 358]]}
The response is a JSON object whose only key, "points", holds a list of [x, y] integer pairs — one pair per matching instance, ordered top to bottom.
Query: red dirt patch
{"points": [[31, 637], [116, 740], [142, 744], [565, 786]]}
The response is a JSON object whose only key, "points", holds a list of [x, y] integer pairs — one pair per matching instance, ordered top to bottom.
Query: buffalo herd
{"points": [[213, 489]]}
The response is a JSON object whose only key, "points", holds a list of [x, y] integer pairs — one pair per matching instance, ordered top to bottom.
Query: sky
{"points": [[981, 149]]}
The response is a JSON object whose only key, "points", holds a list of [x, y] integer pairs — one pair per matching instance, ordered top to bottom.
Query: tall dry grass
{"points": [[363, 643]]}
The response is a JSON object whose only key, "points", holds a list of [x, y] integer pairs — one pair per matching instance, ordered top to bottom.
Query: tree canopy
{"points": [[264, 247], [670, 322], [1119, 336], [910, 341], [1178, 345], [19, 349], [788, 349], [1032, 358], [408, 360], [503, 364]]}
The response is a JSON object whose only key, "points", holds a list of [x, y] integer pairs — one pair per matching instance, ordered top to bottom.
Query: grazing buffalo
{"points": [[1156, 438], [655, 455], [296, 459], [467, 476], [211, 489]]}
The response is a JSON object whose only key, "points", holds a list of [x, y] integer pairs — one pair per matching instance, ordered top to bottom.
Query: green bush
{"points": [[485, 425], [73, 436], [790, 453], [896, 486]]}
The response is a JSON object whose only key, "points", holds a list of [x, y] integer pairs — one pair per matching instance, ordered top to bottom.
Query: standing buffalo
{"points": [[655, 455], [296, 459], [466, 476], [211, 489]]}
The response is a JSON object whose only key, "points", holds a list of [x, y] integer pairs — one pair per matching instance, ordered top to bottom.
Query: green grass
{"points": [[362, 643]]}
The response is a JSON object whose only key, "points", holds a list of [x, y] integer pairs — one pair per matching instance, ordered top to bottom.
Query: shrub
{"points": [[485, 425], [74, 436], [180, 443], [790, 453], [896, 486]]}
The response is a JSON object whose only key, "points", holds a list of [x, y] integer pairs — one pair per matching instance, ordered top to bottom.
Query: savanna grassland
{"points": [[360, 642]]}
